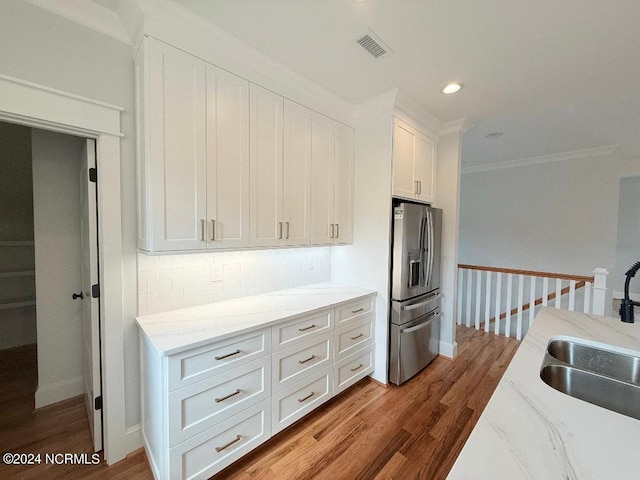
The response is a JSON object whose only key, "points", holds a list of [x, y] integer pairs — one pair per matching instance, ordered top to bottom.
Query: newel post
{"points": [[599, 290]]}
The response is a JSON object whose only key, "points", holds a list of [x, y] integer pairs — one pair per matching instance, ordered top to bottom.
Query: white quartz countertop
{"points": [[179, 330], [531, 431]]}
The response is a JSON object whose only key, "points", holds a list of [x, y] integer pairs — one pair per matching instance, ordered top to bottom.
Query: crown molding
{"points": [[89, 14], [427, 122], [461, 126], [554, 157]]}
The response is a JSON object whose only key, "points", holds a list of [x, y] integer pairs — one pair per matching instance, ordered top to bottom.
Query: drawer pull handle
{"points": [[358, 310], [307, 328], [357, 336], [228, 355], [307, 360], [357, 368], [307, 397], [222, 399], [237, 439]]}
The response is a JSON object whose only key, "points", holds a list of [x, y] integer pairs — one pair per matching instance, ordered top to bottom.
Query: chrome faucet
{"points": [[626, 307]]}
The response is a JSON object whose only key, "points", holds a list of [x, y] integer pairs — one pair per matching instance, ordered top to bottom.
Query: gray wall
{"points": [[50, 50], [557, 217], [628, 245]]}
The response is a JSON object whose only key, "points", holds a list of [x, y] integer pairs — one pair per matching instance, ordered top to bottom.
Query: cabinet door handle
{"points": [[416, 186], [419, 187], [287, 224], [203, 227], [213, 230], [280, 230], [337, 230], [331, 236], [358, 310], [307, 328], [357, 336], [227, 355], [307, 360], [357, 368], [307, 397], [222, 399], [237, 439]]}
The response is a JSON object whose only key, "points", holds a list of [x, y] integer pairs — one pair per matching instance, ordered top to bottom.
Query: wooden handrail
{"points": [[530, 273], [537, 302]]}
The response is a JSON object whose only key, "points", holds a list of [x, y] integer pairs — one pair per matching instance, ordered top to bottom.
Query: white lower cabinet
{"points": [[206, 407]]}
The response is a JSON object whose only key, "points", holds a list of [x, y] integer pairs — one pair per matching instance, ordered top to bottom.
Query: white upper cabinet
{"points": [[176, 145], [227, 159], [414, 163], [332, 182]]}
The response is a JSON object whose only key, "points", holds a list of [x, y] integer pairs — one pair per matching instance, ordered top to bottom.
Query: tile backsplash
{"points": [[169, 282]]}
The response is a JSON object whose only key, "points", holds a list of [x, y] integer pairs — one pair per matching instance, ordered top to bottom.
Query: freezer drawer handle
{"points": [[421, 304], [357, 311], [420, 326], [307, 328], [357, 336], [227, 355], [307, 360], [357, 368], [307, 397], [222, 399], [237, 439]]}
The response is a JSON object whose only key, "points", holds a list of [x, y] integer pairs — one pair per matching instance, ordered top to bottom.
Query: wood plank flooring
{"points": [[368, 432]]}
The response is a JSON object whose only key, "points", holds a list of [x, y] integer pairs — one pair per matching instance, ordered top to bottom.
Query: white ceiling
{"points": [[553, 75]]}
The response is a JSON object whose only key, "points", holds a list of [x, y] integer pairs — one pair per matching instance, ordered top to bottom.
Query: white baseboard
{"points": [[620, 295], [449, 350], [48, 394], [133, 438]]}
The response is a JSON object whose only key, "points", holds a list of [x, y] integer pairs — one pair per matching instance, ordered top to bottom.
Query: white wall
{"points": [[44, 48], [56, 206], [556, 217], [628, 244], [169, 282], [18, 325]]}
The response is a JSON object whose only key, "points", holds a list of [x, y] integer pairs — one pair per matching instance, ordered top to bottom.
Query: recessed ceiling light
{"points": [[452, 88], [493, 135]]}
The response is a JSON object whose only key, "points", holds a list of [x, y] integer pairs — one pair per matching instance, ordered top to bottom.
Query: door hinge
{"points": [[93, 175], [95, 290], [97, 403]]}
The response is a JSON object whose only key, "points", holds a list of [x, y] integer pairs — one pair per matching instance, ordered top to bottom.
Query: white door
{"points": [[404, 153], [322, 155], [425, 168], [343, 184], [90, 305]]}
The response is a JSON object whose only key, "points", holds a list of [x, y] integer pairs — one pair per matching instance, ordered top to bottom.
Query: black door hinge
{"points": [[93, 175], [95, 290], [97, 403]]}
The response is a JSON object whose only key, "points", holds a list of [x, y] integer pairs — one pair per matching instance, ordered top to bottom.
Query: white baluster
{"points": [[460, 289], [599, 290], [545, 291], [558, 292], [498, 294], [572, 295], [587, 297], [478, 298], [520, 300], [532, 301], [487, 303], [467, 320], [507, 320]]}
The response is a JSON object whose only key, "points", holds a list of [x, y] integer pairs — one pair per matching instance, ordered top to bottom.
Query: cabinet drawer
{"points": [[355, 310], [291, 332], [353, 336], [292, 364], [194, 365], [353, 368], [296, 401], [201, 405], [212, 450]]}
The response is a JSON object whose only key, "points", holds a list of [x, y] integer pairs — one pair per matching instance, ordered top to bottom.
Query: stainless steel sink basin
{"points": [[606, 362], [600, 376]]}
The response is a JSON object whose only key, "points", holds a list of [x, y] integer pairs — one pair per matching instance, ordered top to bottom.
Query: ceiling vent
{"points": [[373, 44]]}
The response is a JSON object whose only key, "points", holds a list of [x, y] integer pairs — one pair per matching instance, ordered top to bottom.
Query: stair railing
{"points": [[484, 304]]}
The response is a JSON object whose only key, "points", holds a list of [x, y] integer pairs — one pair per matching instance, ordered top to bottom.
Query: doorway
{"points": [[55, 325]]}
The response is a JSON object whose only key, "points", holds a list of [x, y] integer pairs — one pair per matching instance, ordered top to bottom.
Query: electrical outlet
{"points": [[216, 273]]}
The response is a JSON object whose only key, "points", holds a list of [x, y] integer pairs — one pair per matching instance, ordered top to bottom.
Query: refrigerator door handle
{"points": [[431, 247], [423, 258], [421, 304], [421, 325]]}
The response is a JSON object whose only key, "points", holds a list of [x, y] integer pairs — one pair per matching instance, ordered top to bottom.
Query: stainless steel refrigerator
{"points": [[415, 289]]}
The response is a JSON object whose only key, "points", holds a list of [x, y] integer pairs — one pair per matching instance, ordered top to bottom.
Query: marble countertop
{"points": [[179, 330], [531, 431]]}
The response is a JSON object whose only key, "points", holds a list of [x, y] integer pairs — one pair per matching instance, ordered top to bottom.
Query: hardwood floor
{"points": [[368, 432]]}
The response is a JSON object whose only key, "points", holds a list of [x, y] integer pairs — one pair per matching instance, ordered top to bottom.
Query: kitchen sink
{"points": [[597, 375]]}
